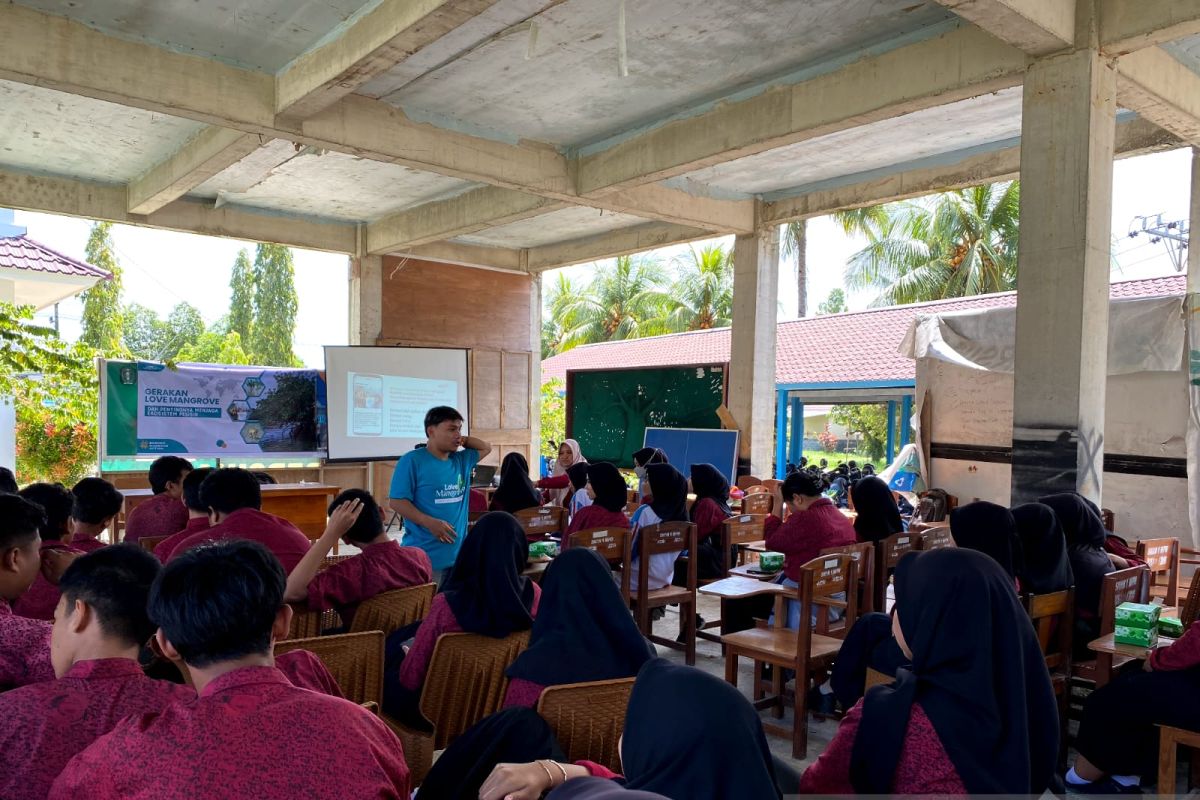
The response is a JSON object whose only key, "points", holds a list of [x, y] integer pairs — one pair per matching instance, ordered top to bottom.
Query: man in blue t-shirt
{"points": [[431, 487]]}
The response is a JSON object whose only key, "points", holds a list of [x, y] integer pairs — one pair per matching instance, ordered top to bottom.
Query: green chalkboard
{"points": [[608, 411]]}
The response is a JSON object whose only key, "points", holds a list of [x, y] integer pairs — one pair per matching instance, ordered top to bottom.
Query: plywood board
{"points": [[486, 384], [516, 391]]}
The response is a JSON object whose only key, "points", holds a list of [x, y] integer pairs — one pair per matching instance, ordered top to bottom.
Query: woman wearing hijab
{"points": [[641, 460], [558, 484], [516, 491], [669, 492], [609, 497], [580, 499], [709, 512], [878, 517], [989, 529], [1085, 534], [1043, 567], [484, 593], [974, 714]]}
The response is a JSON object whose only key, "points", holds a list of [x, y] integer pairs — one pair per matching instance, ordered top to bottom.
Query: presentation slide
{"points": [[378, 397]]}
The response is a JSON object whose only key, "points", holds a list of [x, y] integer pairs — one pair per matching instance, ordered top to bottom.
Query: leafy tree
{"points": [[702, 297], [241, 301], [623, 301], [834, 304], [275, 306], [102, 317], [184, 325], [142, 332], [550, 337], [214, 347], [292, 408], [554, 416], [869, 420]]}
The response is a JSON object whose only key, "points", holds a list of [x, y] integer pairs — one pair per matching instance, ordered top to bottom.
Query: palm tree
{"points": [[795, 243], [702, 296], [623, 301]]}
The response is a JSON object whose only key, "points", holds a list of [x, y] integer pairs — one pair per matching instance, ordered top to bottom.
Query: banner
{"points": [[212, 410]]}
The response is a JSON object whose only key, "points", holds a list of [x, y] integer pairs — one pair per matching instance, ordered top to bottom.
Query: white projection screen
{"points": [[378, 396]]}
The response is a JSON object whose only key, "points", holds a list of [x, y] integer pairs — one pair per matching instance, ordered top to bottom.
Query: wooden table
{"points": [[302, 504], [536, 569], [745, 571], [739, 587], [1106, 648]]}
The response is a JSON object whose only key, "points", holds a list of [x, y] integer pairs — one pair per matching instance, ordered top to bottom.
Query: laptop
{"points": [[482, 477]]}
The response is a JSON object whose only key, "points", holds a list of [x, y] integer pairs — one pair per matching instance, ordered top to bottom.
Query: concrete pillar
{"points": [[1067, 132], [1193, 262], [366, 299], [752, 356], [1193, 362], [535, 373]]}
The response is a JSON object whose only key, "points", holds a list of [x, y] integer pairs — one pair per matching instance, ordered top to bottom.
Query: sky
{"points": [[163, 268]]}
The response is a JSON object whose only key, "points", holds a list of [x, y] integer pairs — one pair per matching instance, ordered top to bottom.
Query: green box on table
{"points": [[770, 562], [1138, 615], [1171, 627], [1138, 637]]}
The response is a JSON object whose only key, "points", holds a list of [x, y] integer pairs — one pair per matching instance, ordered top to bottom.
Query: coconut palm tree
{"points": [[795, 243], [702, 296], [625, 300]]}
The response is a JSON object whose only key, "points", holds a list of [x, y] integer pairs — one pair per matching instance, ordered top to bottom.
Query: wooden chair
{"points": [[746, 481], [760, 502], [1109, 519], [541, 523], [736, 533], [668, 537], [934, 538], [148, 543], [613, 544], [864, 553], [888, 553], [1162, 557], [1123, 586], [391, 611], [1053, 618], [803, 650], [354, 659], [877, 678], [465, 682], [588, 719], [1169, 740]]}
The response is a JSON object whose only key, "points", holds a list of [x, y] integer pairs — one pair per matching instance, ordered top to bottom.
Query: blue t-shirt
{"points": [[440, 489]]}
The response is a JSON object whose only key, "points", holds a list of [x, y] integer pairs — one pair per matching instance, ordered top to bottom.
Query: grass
{"points": [[814, 457]]}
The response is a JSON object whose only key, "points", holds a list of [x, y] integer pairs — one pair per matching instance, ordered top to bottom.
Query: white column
{"points": [[1067, 133], [366, 299], [752, 356], [535, 371], [1192, 371]]}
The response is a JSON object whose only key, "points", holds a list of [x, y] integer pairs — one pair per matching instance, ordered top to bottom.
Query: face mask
{"points": [[640, 472]]}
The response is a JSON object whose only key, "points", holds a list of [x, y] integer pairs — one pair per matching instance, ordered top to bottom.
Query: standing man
{"points": [[431, 484]]}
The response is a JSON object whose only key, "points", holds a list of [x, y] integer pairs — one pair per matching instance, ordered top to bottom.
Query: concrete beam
{"points": [[1128, 25], [1038, 27], [955, 66], [1162, 90], [203, 156], [74, 198], [458, 216], [621, 242], [501, 259]]}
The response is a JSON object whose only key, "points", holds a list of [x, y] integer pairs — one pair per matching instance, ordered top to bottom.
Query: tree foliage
{"points": [[702, 296], [624, 300], [241, 301], [834, 304], [275, 307], [103, 320], [149, 337], [214, 347], [554, 416], [868, 420]]}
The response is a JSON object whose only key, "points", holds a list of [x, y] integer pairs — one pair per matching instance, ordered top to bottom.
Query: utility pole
{"points": [[1173, 234]]}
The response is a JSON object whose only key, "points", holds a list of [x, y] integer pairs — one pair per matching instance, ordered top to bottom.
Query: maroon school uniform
{"points": [[161, 515], [595, 516], [708, 517], [275, 533], [806, 533], [87, 544], [166, 548], [378, 568], [42, 596], [24, 649], [1183, 653], [306, 671], [47, 724], [249, 734]]}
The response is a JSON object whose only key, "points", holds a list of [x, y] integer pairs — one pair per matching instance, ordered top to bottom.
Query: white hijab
{"points": [[557, 496]]}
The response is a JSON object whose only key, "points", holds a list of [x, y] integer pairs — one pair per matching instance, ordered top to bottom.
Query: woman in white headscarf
{"points": [[558, 485]]}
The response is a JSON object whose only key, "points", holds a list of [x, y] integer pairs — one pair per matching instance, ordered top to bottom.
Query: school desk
{"points": [[302, 504], [749, 571], [738, 587], [1106, 648]]}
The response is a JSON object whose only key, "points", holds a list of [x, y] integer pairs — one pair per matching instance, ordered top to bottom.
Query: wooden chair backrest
{"points": [[746, 481], [772, 484], [630, 496], [760, 502], [1109, 519], [541, 522], [740, 530], [666, 537], [934, 538], [148, 543], [613, 544], [893, 548], [864, 553], [1162, 557], [820, 580], [1123, 586], [1191, 605], [391, 611], [1053, 617], [354, 659], [877, 678], [466, 681], [588, 719]]}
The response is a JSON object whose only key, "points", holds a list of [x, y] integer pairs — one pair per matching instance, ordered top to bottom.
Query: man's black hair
{"points": [[439, 414], [167, 469], [8, 481], [801, 483], [191, 488], [228, 489], [96, 500], [56, 502], [21, 521], [369, 524], [115, 581], [218, 602]]}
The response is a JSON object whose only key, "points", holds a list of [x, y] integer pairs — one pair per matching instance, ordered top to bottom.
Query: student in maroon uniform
{"points": [[609, 497], [233, 498], [97, 504], [709, 512], [164, 513], [197, 514], [813, 524], [383, 564], [41, 598], [220, 610], [99, 626], [24, 643]]}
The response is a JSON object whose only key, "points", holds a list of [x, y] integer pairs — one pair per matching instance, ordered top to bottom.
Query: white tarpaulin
{"points": [[1145, 335], [1193, 429]]}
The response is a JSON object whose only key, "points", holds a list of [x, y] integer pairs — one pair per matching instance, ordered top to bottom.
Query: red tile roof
{"points": [[21, 252], [836, 348]]}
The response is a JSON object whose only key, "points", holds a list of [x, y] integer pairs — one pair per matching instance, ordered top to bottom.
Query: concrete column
{"points": [[1067, 132], [1193, 262], [366, 299], [752, 357], [535, 372]]}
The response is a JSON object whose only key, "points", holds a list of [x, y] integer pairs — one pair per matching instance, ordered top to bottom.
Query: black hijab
{"points": [[649, 455], [578, 473], [707, 481], [608, 485], [516, 491], [668, 492], [878, 517], [988, 528], [1085, 536], [1043, 566], [485, 588], [584, 631], [977, 672], [690, 735]]}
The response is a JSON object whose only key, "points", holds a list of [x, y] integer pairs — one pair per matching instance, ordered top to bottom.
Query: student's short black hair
{"points": [[439, 414], [167, 469], [8, 481], [801, 483], [191, 488], [228, 489], [95, 501], [56, 502], [21, 521], [369, 524], [115, 581], [218, 602]]}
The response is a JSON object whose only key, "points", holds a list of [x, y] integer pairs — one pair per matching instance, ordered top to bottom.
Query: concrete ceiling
{"points": [[1187, 51], [557, 226]]}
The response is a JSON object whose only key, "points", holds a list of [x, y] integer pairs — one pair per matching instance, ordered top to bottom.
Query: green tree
{"points": [[702, 296], [241, 300], [623, 301], [834, 304], [275, 306], [103, 319], [183, 326], [142, 332], [213, 347], [290, 407], [554, 416], [869, 420]]}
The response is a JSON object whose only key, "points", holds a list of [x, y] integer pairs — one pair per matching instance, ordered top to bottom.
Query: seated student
{"points": [[642, 459], [8, 481], [558, 485], [668, 489], [516, 491], [609, 497], [234, 499], [580, 499], [97, 504], [709, 512], [164, 513], [197, 514], [878, 516], [813, 524], [989, 529], [1085, 536], [381, 566], [1044, 567], [484, 593], [41, 598], [220, 610], [99, 627], [24, 643], [305, 670], [975, 713]]}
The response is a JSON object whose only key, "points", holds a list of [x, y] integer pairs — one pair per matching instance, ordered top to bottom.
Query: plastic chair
{"points": [[354, 659], [588, 719]]}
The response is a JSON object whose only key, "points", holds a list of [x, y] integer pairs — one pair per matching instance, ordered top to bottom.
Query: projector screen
{"points": [[378, 397]]}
